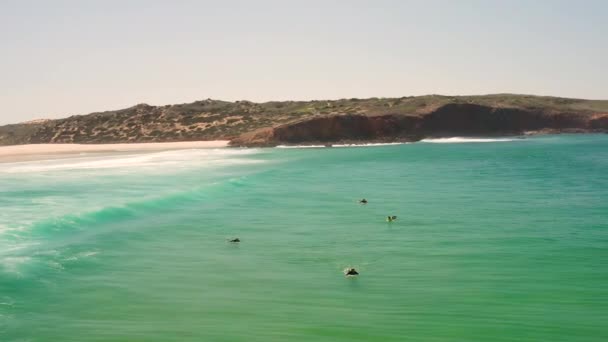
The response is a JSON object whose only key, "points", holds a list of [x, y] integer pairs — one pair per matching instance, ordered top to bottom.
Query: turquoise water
{"points": [[495, 241]]}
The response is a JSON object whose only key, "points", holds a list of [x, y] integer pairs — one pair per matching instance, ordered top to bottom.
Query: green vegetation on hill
{"points": [[213, 119], [17, 133]]}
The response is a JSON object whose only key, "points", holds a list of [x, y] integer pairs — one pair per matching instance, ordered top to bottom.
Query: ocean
{"points": [[496, 240]]}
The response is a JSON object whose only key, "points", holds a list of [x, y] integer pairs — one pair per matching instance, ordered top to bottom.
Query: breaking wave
{"points": [[459, 140], [340, 145], [138, 161]]}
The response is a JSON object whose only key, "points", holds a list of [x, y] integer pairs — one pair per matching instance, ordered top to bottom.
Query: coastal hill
{"points": [[347, 120]]}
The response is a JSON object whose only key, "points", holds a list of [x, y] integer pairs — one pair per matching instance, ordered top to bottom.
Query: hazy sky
{"points": [[60, 58]]}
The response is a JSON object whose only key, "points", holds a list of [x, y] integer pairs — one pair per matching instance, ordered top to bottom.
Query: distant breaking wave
{"points": [[453, 140], [458, 140], [370, 144], [339, 145], [300, 146]]}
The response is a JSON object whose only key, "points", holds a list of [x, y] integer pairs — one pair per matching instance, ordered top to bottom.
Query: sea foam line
{"points": [[459, 140], [369, 144], [340, 145], [300, 146], [154, 160]]}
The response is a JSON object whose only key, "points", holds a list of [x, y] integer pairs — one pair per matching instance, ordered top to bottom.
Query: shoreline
{"points": [[418, 138], [430, 139], [32, 152], [16, 153]]}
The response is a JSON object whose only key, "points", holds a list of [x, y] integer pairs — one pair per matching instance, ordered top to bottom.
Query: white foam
{"points": [[459, 140], [340, 145], [369, 145], [300, 146], [137, 161], [7, 249], [88, 254], [81, 255], [11, 264], [55, 265]]}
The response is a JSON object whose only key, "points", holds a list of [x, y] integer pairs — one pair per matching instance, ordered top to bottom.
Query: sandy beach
{"points": [[45, 151]]}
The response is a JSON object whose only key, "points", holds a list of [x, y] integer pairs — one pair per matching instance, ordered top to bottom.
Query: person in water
{"points": [[363, 201], [391, 218], [234, 240], [350, 272]]}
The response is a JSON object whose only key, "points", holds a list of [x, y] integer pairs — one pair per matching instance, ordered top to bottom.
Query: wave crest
{"points": [[460, 140], [341, 145]]}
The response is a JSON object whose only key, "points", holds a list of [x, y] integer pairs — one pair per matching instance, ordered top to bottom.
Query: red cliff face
{"points": [[449, 120], [477, 120], [599, 122], [345, 127], [329, 129]]}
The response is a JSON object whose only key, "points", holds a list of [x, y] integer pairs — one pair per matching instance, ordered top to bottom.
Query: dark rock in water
{"points": [[234, 240], [350, 272]]}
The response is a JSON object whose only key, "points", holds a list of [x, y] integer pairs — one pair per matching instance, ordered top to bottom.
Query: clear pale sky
{"points": [[60, 58]]}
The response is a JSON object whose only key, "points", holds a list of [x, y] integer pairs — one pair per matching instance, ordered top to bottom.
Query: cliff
{"points": [[445, 121], [295, 122]]}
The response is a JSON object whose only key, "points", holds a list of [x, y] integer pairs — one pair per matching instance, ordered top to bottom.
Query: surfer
{"points": [[363, 201], [235, 240], [350, 272]]}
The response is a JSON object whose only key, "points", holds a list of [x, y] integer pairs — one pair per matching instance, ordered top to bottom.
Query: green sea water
{"points": [[495, 241]]}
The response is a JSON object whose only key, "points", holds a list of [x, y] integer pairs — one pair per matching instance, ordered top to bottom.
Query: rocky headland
{"points": [[247, 123]]}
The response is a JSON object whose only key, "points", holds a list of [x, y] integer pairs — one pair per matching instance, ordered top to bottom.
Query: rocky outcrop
{"points": [[471, 119], [448, 120], [599, 122], [338, 128]]}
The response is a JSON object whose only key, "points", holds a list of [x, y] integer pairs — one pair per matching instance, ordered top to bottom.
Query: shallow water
{"points": [[495, 241]]}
